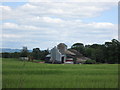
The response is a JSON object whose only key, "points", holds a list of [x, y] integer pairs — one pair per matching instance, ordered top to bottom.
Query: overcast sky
{"points": [[46, 24]]}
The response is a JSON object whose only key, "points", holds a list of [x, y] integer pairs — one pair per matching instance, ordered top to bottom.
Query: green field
{"points": [[19, 74]]}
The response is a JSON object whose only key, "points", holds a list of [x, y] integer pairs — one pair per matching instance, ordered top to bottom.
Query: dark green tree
{"points": [[79, 47], [112, 51], [24, 52], [36, 53], [43, 54], [6, 55], [15, 55]]}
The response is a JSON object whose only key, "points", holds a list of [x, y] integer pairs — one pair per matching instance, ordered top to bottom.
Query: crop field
{"points": [[21, 74]]}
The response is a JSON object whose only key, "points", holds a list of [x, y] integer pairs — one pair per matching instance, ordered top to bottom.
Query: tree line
{"points": [[109, 52], [36, 54]]}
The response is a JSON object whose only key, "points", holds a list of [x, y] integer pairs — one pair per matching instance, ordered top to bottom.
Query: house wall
{"points": [[55, 55], [24, 58]]}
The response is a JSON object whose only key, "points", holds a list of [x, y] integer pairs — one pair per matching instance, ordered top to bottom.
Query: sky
{"points": [[46, 24]]}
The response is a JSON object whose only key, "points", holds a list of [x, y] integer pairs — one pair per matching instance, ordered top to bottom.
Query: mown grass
{"points": [[19, 74]]}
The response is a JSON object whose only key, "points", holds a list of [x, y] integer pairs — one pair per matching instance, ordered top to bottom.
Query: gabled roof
{"points": [[69, 52], [75, 52]]}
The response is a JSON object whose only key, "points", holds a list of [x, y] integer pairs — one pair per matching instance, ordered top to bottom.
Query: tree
{"points": [[79, 47], [88, 51], [112, 51], [24, 52], [109, 52], [36, 53], [43, 54], [6, 55], [15, 55], [90, 62]]}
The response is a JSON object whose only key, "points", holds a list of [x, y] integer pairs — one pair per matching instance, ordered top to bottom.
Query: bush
{"points": [[90, 62], [98, 63]]}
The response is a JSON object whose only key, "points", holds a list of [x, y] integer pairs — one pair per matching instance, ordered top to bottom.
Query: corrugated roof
{"points": [[69, 52]]}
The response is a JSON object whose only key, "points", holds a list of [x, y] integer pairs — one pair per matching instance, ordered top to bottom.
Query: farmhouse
{"points": [[60, 54], [24, 58]]}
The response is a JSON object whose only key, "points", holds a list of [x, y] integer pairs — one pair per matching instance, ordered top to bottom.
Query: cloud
{"points": [[60, 0], [74, 1], [28, 6], [5, 8], [62, 10], [52, 20], [45, 24], [10, 25], [103, 25], [15, 26], [60, 34], [11, 36]]}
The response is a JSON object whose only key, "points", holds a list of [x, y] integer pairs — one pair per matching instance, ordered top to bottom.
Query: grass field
{"points": [[18, 74]]}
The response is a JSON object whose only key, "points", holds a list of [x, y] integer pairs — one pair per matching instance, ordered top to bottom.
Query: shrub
{"points": [[90, 62]]}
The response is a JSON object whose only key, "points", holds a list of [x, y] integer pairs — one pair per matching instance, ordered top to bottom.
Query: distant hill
{"points": [[11, 50]]}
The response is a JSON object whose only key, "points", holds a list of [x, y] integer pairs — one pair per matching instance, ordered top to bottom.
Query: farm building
{"points": [[60, 54], [24, 58]]}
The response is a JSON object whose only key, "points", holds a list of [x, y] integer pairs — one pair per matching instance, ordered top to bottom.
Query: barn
{"points": [[60, 54]]}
